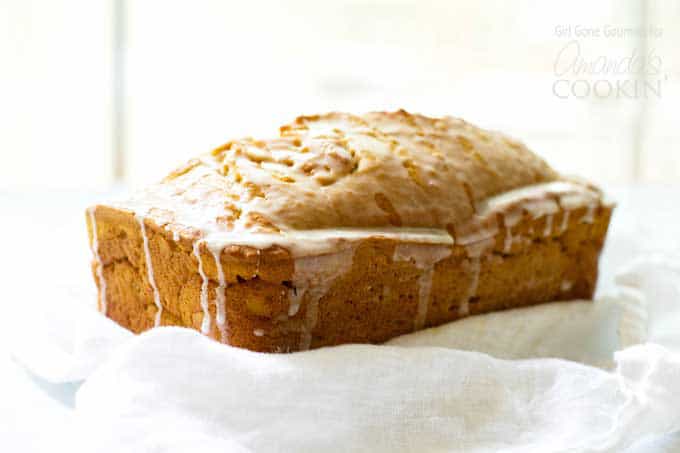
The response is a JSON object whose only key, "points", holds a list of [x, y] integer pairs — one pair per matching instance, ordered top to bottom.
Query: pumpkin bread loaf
{"points": [[347, 229]]}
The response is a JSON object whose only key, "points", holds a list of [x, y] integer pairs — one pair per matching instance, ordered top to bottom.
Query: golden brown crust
{"points": [[374, 301]]}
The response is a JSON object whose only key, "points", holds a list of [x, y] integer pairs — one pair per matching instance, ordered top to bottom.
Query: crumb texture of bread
{"points": [[347, 229]]}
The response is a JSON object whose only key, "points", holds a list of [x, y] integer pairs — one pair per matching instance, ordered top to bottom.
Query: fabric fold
{"points": [[561, 377]]}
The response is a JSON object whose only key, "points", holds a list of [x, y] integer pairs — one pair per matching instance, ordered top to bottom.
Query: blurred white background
{"points": [[116, 91], [97, 96]]}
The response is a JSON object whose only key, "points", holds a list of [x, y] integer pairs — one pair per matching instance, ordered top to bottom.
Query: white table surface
{"points": [[46, 246]]}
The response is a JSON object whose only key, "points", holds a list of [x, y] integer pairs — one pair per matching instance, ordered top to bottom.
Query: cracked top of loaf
{"points": [[339, 170]]}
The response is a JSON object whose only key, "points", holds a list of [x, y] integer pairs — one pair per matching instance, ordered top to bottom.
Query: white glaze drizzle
{"points": [[539, 196], [537, 199], [541, 208], [589, 216], [510, 219], [565, 221], [548, 225], [507, 242], [476, 249], [474, 253], [424, 257], [257, 265], [100, 266], [474, 267], [149, 272], [313, 277], [424, 290], [295, 299], [221, 312], [205, 323], [258, 332]]}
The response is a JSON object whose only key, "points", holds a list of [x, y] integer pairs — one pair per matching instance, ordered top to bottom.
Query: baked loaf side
{"points": [[347, 229]]}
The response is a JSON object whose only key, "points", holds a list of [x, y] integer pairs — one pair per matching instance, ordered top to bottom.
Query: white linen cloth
{"points": [[507, 381]]}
